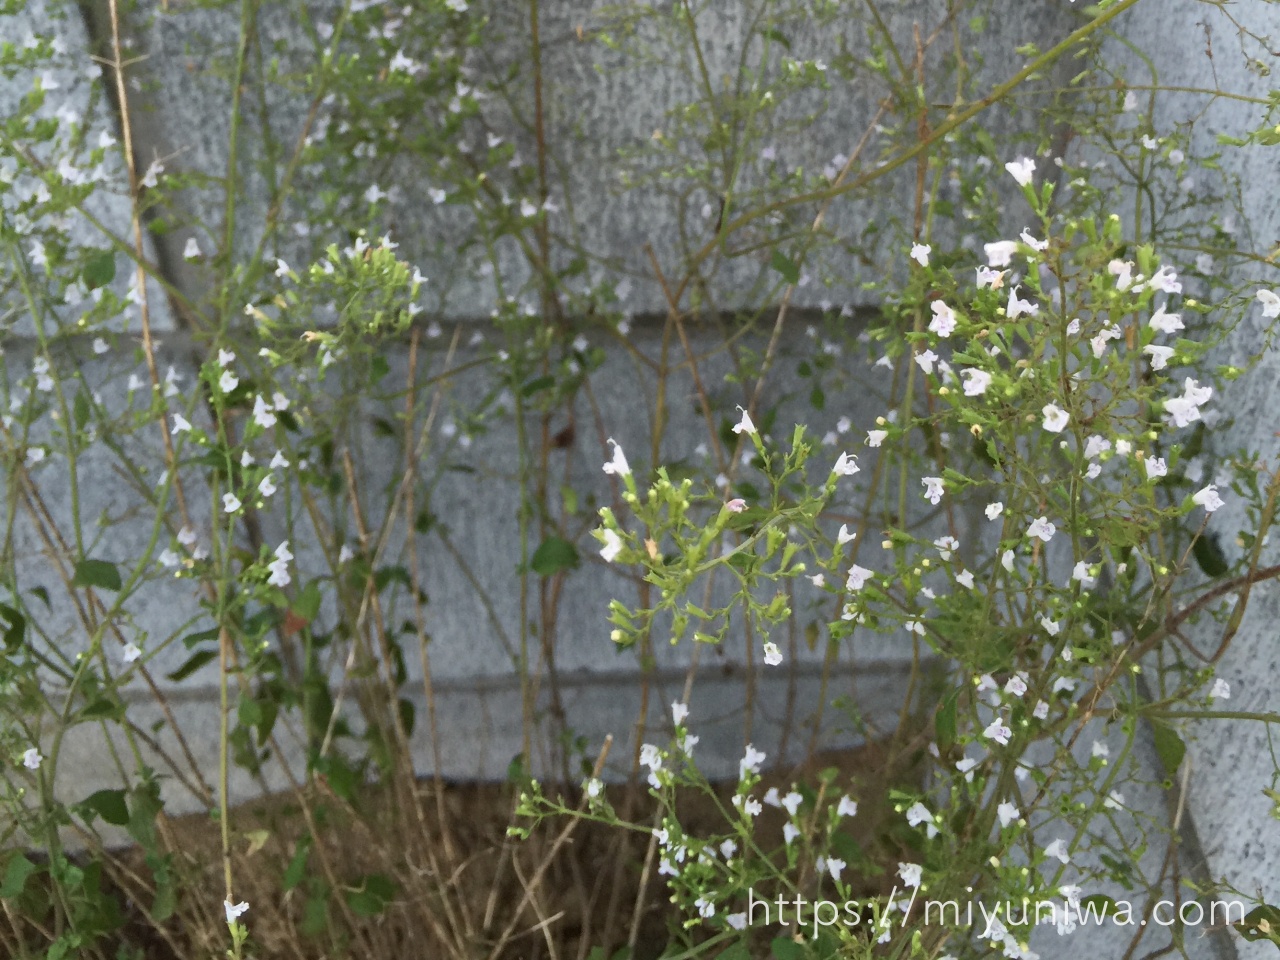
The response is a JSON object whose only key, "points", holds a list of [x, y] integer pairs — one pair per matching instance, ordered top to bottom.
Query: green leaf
{"points": [[781, 263], [100, 270], [536, 385], [81, 410], [554, 555], [1209, 555], [96, 573], [15, 626], [193, 663], [103, 708], [945, 721], [1169, 746], [110, 805], [16, 872], [294, 872], [372, 897], [1260, 923], [784, 948]]}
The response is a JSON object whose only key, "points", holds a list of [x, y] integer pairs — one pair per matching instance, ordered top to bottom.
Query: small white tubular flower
{"points": [[1022, 170], [1039, 246], [192, 250], [920, 253], [1000, 254], [989, 278], [1165, 279], [1270, 301], [1018, 307], [944, 319], [1165, 322], [100, 346], [1160, 356], [226, 357], [926, 360], [228, 381], [976, 382], [263, 414], [1055, 418], [180, 424], [744, 425], [876, 437], [1096, 446], [279, 461], [617, 466], [846, 466], [1156, 467], [267, 486], [932, 489], [1208, 498], [230, 502], [994, 510], [1043, 528], [844, 536], [612, 545], [346, 554], [1081, 572], [858, 576], [965, 579], [1051, 627], [130, 653], [772, 655], [1016, 685], [1221, 690], [679, 711], [998, 731], [32, 758], [750, 762], [847, 807], [1008, 813], [918, 814], [1058, 849], [834, 867], [911, 873], [234, 910], [737, 920]]}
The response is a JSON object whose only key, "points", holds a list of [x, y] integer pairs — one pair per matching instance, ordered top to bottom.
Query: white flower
{"points": [[1021, 170], [151, 177], [1037, 245], [192, 250], [920, 253], [1000, 253], [1122, 270], [988, 277], [1165, 278], [1270, 301], [1017, 307], [944, 319], [1165, 322], [100, 346], [1160, 356], [226, 357], [926, 360], [228, 381], [976, 382], [1186, 409], [262, 414], [1055, 418], [180, 424], [744, 424], [876, 437], [1096, 446], [278, 461], [618, 466], [846, 466], [1156, 467], [267, 486], [932, 489], [1208, 498], [230, 502], [994, 510], [1043, 528], [187, 536], [843, 536], [612, 545], [945, 546], [346, 554], [169, 559], [1006, 560], [1081, 572], [858, 576], [965, 579], [1050, 626], [130, 653], [772, 655], [1016, 685], [1221, 690], [1041, 710], [679, 711], [997, 731], [1100, 749], [651, 757], [31, 758], [750, 761], [772, 798], [792, 802], [847, 807], [1008, 813], [918, 814], [789, 833], [1058, 849], [834, 867], [910, 873], [706, 908], [234, 910], [737, 920]]}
